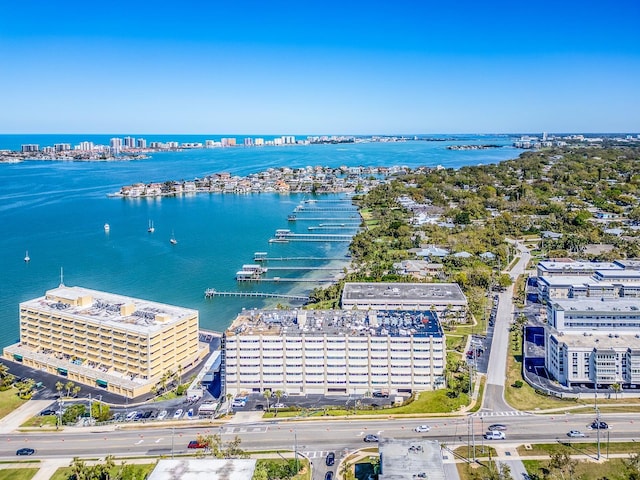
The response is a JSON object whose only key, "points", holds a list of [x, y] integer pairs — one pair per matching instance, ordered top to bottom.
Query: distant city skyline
{"points": [[330, 68]]}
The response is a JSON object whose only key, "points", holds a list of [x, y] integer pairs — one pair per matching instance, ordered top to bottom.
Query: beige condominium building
{"points": [[118, 343], [333, 352]]}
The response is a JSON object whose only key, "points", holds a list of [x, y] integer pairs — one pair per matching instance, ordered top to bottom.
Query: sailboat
{"points": [[106, 227], [151, 228], [173, 239], [27, 258]]}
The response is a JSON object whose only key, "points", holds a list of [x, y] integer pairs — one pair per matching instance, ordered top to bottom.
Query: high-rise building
{"points": [[129, 142], [141, 143], [31, 147], [121, 344], [335, 352]]}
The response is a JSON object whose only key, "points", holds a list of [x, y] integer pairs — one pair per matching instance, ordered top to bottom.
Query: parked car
{"points": [[380, 394], [238, 403], [279, 405], [48, 412], [147, 414], [178, 414], [131, 415], [162, 415], [497, 426], [602, 426], [422, 428], [575, 433], [495, 435], [371, 438], [196, 444], [25, 451], [331, 459], [328, 475]]}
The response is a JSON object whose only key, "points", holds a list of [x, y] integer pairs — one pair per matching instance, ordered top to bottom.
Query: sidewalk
{"points": [[23, 413]]}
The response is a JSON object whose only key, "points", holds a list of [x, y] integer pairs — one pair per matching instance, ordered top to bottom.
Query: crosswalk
{"points": [[512, 413], [253, 429], [315, 454]]}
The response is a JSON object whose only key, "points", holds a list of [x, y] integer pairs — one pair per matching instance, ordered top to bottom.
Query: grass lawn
{"points": [[456, 342], [526, 398], [9, 401], [426, 402], [47, 421], [580, 447], [481, 452], [612, 469], [141, 471], [18, 473], [303, 474]]}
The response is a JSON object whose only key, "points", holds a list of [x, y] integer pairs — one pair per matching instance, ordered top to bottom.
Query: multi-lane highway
{"points": [[312, 436]]}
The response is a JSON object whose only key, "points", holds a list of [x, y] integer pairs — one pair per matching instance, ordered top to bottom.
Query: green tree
{"points": [[68, 386], [59, 387], [267, 395]]}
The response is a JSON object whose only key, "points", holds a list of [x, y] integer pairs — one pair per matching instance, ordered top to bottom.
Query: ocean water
{"points": [[57, 210]]}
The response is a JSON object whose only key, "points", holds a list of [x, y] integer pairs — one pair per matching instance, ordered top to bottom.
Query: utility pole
{"points": [[295, 447]]}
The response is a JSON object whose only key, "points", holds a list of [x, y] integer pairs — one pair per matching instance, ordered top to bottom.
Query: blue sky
{"points": [[319, 67]]}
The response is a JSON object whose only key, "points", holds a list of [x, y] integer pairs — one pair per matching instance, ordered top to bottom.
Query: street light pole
{"points": [[595, 371], [295, 447]]}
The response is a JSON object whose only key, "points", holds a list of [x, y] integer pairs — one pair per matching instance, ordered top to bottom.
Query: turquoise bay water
{"points": [[56, 211]]}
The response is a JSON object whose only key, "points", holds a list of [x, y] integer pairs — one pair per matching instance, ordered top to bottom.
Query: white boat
{"points": [[106, 227], [151, 228], [173, 239], [27, 258]]}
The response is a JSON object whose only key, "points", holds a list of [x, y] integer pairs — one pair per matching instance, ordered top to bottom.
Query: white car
{"points": [[238, 404], [279, 405], [178, 414], [131, 415], [162, 415], [422, 428], [575, 433]]}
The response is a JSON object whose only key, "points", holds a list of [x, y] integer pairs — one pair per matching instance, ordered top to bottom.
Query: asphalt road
{"points": [[493, 400], [315, 436]]}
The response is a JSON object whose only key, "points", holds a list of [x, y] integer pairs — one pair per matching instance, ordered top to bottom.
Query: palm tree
{"points": [[180, 374], [68, 386], [59, 387], [267, 394], [278, 394]]}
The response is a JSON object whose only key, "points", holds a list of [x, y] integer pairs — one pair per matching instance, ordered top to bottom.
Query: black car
{"points": [[379, 394], [48, 412], [147, 414], [602, 426], [25, 451], [331, 459], [328, 475]]}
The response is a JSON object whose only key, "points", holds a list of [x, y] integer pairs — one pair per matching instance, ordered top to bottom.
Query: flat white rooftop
{"points": [[576, 266], [407, 292], [621, 305], [93, 306], [599, 340], [411, 459], [201, 469]]}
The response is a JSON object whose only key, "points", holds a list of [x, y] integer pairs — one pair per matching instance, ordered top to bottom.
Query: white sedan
{"points": [[422, 428]]}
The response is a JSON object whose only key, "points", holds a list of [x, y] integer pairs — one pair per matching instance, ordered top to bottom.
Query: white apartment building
{"points": [[551, 268], [446, 299], [593, 341], [333, 352]]}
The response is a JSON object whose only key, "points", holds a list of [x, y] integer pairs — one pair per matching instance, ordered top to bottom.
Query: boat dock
{"points": [[346, 208], [295, 218], [334, 227], [286, 234], [262, 257], [305, 268], [212, 292]]}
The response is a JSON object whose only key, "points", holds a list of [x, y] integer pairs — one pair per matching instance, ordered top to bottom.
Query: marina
{"points": [[262, 257]]}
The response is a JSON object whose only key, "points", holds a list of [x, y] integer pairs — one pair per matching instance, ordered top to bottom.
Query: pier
{"points": [[346, 208], [295, 218], [335, 227], [285, 234], [262, 257], [306, 268], [212, 292]]}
